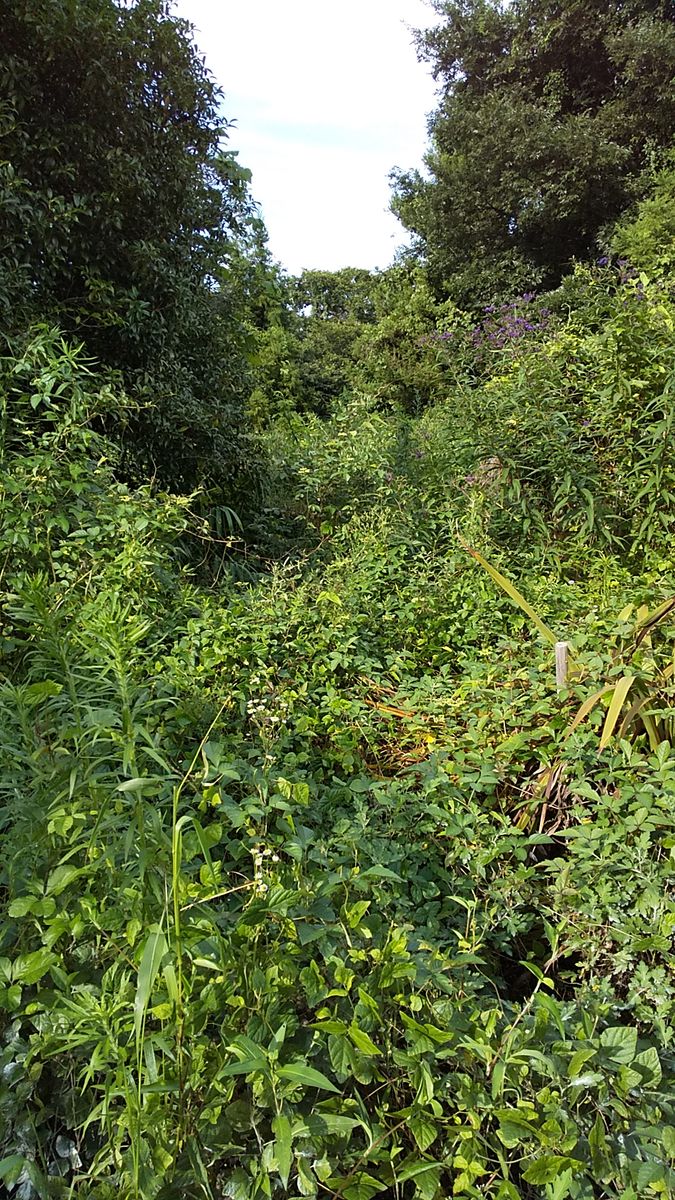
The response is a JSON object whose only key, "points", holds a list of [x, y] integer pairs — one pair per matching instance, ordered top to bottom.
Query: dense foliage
{"points": [[548, 114], [123, 217], [316, 880]]}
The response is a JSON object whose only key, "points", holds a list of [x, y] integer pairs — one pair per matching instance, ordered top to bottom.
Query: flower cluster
{"points": [[624, 270], [502, 325], [267, 709], [262, 857]]}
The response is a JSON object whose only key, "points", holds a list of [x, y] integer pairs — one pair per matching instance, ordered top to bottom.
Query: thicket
{"points": [[314, 882]]}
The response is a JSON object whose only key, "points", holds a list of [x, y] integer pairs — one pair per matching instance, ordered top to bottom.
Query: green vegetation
{"points": [[548, 115], [124, 221], [314, 882]]}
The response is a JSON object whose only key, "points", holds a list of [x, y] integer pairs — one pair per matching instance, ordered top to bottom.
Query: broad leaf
{"points": [[305, 1076], [281, 1127], [549, 1167]]}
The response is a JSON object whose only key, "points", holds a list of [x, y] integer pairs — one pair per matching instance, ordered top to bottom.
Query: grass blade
{"points": [[153, 952]]}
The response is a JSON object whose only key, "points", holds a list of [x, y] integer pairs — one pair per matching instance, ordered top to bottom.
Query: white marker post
{"points": [[561, 658]]}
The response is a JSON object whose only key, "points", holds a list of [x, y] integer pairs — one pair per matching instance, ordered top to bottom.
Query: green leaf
{"points": [[331, 597], [35, 693], [614, 711], [140, 784], [380, 872], [61, 877], [23, 906], [356, 913], [153, 952], [30, 968], [171, 982], [330, 1026], [362, 1041], [620, 1042], [340, 1054], [579, 1060], [649, 1065], [246, 1066], [300, 1073], [589, 1079], [321, 1125], [281, 1127], [514, 1128], [424, 1131], [668, 1140], [598, 1144], [549, 1167], [11, 1168], [414, 1170], [649, 1173], [426, 1176], [306, 1179], [427, 1182], [238, 1185], [361, 1188], [508, 1192]]}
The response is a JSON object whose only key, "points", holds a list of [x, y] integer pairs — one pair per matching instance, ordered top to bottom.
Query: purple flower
{"points": [[602, 262]]}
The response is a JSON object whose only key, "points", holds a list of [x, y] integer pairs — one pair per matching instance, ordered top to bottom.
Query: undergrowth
{"points": [[312, 884]]}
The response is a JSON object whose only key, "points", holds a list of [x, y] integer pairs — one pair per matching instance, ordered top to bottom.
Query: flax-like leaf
{"points": [[513, 594], [654, 619], [617, 702], [587, 707], [632, 713], [653, 731]]}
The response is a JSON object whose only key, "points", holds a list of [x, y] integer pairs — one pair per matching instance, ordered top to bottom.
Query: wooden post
{"points": [[561, 655]]}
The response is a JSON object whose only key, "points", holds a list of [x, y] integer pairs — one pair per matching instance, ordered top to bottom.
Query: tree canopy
{"points": [[548, 114], [123, 215]]}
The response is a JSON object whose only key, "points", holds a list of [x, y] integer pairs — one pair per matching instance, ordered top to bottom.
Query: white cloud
{"points": [[327, 98]]}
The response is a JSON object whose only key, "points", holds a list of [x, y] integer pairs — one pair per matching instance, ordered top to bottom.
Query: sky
{"points": [[328, 97]]}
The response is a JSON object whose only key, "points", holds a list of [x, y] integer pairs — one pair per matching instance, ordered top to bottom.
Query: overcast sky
{"points": [[328, 97]]}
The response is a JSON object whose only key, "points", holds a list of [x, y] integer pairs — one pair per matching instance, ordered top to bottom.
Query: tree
{"points": [[548, 112], [122, 219], [647, 240], [336, 295], [305, 348], [397, 358]]}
